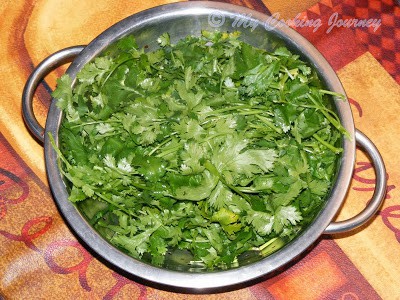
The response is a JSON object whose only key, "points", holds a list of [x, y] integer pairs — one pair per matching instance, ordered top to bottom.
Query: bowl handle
{"points": [[45, 67], [379, 194]]}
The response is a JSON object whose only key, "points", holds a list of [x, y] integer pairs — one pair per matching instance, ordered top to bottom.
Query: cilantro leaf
{"points": [[63, 92], [200, 152]]}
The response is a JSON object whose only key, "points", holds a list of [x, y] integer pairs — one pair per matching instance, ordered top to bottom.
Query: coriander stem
{"points": [[112, 71], [287, 72], [130, 89], [326, 92], [218, 111], [251, 112], [328, 114], [95, 122], [269, 123], [109, 134], [213, 136], [166, 141], [326, 144], [169, 151], [60, 155], [213, 170], [142, 187], [249, 191], [115, 204], [263, 246], [271, 246]]}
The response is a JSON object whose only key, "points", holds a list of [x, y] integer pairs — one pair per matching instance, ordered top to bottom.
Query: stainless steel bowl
{"points": [[180, 20]]}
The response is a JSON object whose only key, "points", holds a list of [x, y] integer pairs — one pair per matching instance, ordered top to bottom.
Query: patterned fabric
{"points": [[381, 40], [40, 258]]}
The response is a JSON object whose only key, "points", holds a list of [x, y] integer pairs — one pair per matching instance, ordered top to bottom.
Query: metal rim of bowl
{"points": [[211, 280]]}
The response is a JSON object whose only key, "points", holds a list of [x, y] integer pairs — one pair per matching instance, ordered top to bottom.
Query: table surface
{"points": [[40, 258]]}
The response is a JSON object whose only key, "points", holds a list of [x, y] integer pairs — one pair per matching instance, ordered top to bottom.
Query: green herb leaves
{"points": [[209, 146]]}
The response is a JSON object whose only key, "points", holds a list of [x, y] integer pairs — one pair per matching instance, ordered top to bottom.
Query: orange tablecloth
{"points": [[41, 259]]}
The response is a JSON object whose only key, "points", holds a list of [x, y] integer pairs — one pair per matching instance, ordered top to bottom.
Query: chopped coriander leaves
{"points": [[209, 148]]}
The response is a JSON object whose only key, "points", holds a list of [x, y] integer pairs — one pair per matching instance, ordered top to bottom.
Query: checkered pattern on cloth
{"points": [[382, 41]]}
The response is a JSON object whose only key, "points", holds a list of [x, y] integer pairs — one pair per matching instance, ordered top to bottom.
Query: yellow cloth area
{"points": [[40, 258]]}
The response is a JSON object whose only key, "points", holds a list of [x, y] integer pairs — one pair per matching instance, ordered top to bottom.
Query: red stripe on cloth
{"points": [[350, 28], [339, 45], [324, 273]]}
